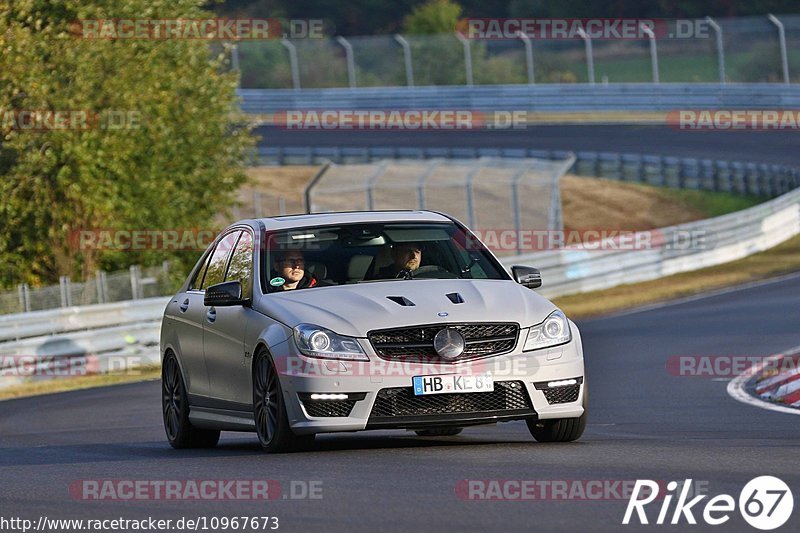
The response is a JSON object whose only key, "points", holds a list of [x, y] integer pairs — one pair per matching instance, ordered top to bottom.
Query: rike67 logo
{"points": [[765, 503]]}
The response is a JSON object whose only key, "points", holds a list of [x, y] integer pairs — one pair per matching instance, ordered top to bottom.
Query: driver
{"points": [[405, 256], [289, 272]]}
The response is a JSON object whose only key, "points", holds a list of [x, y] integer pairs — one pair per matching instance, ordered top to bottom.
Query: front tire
{"points": [[175, 408], [269, 411], [561, 429]]}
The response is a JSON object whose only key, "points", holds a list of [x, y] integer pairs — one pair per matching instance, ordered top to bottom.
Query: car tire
{"points": [[175, 409], [269, 411], [561, 429], [438, 432]]}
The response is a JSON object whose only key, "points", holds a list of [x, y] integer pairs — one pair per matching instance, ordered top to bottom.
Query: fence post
{"points": [[782, 37], [720, 49], [653, 51], [589, 54], [467, 56], [528, 56], [406, 59], [235, 63], [351, 63], [293, 64], [373, 179], [515, 179], [421, 182], [470, 197], [135, 284], [64, 286], [100, 286], [26, 297]]}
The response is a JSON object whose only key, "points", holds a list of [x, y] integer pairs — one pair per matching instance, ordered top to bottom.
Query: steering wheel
{"points": [[434, 271]]}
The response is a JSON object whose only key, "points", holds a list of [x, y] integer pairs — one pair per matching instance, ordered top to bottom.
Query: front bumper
{"points": [[516, 376]]}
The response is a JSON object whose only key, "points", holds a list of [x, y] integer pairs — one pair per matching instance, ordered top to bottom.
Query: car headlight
{"points": [[552, 332], [315, 341]]}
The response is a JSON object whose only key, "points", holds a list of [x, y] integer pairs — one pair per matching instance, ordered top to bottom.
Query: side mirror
{"points": [[527, 276], [225, 295]]}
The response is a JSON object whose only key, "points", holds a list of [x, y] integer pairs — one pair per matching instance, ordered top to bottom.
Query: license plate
{"points": [[450, 383]]}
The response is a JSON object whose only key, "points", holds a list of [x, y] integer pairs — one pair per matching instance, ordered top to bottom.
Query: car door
{"points": [[187, 313], [224, 334]]}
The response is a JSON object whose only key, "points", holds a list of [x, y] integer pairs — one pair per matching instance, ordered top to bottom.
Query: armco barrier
{"points": [[626, 97], [738, 177], [676, 249]]}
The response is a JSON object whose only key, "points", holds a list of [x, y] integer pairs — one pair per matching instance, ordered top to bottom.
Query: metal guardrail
{"points": [[532, 98], [737, 177], [675, 249]]}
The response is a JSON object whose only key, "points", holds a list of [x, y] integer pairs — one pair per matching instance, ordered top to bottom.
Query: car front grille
{"points": [[416, 343], [401, 401]]}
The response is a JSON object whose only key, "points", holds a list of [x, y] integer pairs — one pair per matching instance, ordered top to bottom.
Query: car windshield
{"points": [[366, 253]]}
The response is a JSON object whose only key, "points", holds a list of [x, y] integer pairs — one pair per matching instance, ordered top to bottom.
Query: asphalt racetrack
{"points": [[780, 147], [644, 423]]}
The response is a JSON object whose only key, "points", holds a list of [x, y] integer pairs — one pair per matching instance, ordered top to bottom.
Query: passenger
{"points": [[406, 256], [289, 272]]}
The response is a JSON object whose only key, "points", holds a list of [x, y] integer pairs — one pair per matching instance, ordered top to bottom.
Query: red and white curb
{"points": [[776, 392]]}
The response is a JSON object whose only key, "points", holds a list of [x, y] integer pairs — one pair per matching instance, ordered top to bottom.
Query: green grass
{"points": [[712, 204]]}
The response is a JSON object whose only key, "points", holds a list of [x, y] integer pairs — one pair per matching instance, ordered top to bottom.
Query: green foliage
{"points": [[432, 17], [176, 167]]}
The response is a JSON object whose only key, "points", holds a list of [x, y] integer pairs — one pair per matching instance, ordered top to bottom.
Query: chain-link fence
{"points": [[744, 49], [486, 193], [132, 284]]}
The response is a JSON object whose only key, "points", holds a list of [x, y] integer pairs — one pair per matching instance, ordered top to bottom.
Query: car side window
{"points": [[241, 263], [215, 273], [197, 280]]}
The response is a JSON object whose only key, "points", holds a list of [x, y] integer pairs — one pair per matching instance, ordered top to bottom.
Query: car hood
{"points": [[354, 310]]}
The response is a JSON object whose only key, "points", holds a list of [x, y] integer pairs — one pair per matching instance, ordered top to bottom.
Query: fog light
{"points": [[562, 383], [317, 396]]}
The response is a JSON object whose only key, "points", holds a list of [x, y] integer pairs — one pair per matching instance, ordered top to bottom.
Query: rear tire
{"points": [[175, 409], [269, 411], [561, 429], [438, 432]]}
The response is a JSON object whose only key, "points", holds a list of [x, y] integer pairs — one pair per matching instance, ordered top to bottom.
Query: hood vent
{"points": [[456, 298], [401, 300]]}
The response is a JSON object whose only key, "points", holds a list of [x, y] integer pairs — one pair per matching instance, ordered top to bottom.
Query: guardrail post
{"points": [[782, 37], [587, 41], [720, 49], [653, 51], [528, 56], [467, 57], [406, 59], [351, 63], [293, 64]]}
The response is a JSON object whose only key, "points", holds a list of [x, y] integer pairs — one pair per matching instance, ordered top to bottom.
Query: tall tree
{"points": [[165, 150]]}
